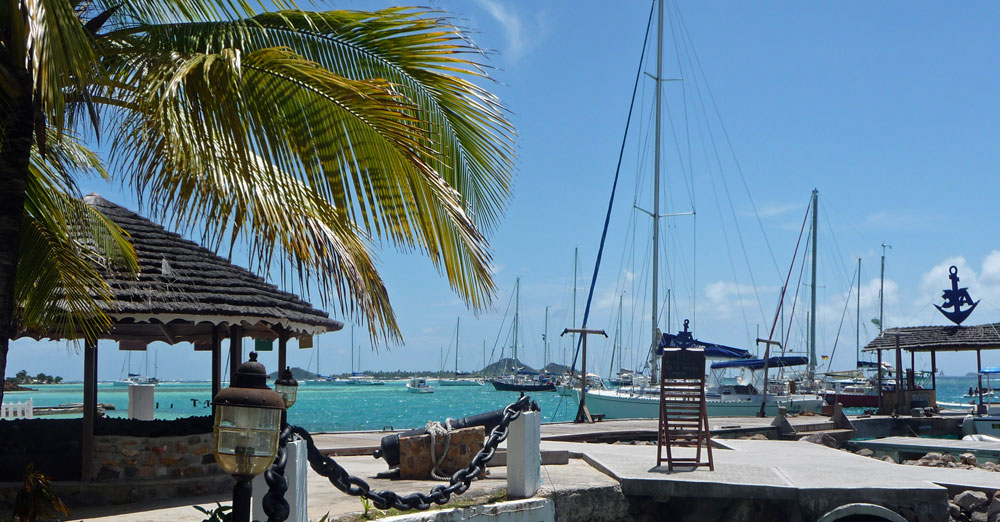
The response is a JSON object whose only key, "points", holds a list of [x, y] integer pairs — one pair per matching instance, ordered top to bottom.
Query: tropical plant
{"points": [[309, 138], [36, 500], [219, 514]]}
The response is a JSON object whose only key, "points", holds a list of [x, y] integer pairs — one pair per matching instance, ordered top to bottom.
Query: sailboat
{"points": [[137, 378], [358, 378], [522, 379], [456, 381], [642, 399]]}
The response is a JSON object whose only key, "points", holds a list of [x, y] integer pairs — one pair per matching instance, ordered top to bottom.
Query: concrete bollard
{"points": [[140, 401], [524, 457], [296, 470]]}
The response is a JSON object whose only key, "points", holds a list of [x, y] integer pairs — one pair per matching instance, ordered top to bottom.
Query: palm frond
{"points": [[369, 151], [64, 246]]}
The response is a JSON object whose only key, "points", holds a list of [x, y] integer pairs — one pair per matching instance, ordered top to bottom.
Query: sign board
{"points": [[263, 345], [683, 364]]}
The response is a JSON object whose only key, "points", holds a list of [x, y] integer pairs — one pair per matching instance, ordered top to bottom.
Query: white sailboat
{"points": [[456, 381], [641, 400]]}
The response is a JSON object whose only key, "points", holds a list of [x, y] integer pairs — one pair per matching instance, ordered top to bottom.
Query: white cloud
{"points": [[520, 39]]}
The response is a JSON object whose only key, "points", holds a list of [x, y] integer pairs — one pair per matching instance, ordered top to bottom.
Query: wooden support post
{"points": [[282, 349], [235, 350], [216, 362], [879, 362], [913, 370], [933, 370], [979, 376], [899, 378], [89, 410], [582, 413]]}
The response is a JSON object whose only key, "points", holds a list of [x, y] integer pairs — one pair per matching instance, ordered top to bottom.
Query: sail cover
{"points": [[712, 350], [758, 364]]}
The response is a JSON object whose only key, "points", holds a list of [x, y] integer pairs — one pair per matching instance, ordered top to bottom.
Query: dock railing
{"points": [[18, 410]]}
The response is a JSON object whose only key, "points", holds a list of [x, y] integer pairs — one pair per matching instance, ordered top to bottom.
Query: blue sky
{"points": [[889, 109]]}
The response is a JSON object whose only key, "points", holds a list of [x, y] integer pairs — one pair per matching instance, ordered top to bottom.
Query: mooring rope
{"points": [[435, 429]]}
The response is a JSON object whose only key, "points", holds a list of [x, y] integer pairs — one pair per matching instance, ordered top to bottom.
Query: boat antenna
{"points": [[881, 290]]}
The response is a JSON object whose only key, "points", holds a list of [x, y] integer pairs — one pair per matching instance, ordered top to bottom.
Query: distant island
{"points": [[491, 370], [16, 382]]}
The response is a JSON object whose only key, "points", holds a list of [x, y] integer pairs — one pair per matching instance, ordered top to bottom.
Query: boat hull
{"points": [[458, 382], [506, 386], [422, 389], [852, 400], [619, 406]]}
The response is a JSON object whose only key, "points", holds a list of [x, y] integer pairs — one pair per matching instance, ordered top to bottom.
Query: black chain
{"points": [[385, 499], [274, 503]]}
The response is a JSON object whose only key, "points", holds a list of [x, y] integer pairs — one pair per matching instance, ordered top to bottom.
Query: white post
{"points": [[140, 401], [30, 412], [524, 457], [296, 470]]}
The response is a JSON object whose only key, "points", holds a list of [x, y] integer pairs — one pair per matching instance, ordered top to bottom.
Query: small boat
{"points": [[135, 378], [524, 380], [418, 385], [986, 417]]}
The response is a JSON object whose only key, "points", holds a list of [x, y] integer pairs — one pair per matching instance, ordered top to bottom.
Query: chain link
{"points": [[459, 483]]}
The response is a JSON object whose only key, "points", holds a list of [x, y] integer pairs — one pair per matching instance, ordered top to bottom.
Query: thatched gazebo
{"points": [[187, 293], [932, 339]]}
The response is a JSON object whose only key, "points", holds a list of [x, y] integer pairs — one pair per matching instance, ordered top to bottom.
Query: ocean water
{"points": [[320, 406], [327, 407]]}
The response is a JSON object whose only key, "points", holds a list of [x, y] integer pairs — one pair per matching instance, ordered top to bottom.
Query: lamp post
{"points": [[245, 436]]}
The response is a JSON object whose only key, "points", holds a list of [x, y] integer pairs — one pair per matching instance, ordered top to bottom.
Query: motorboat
{"points": [[419, 385]]}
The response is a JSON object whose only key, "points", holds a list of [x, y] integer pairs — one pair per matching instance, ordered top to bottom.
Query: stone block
{"points": [[194, 440], [130, 442], [180, 448], [159, 450], [201, 450], [130, 452], [865, 452], [969, 458], [415, 460], [169, 461], [108, 462], [193, 471], [131, 472], [146, 472], [161, 472], [106, 473], [970, 499]]}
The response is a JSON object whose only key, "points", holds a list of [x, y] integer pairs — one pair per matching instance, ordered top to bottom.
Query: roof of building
{"points": [[183, 289], [939, 338]]}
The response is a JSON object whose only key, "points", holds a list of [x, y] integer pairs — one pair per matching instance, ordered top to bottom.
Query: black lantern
{"points": [[287, 387], [245, 436]]}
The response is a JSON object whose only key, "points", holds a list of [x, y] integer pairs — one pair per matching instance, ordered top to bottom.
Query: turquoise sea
{"points": [[320, 406], [326, 407]]}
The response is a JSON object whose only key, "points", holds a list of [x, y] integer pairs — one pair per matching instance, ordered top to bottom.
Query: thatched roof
{"points": [[183, 289], [939, 338]]}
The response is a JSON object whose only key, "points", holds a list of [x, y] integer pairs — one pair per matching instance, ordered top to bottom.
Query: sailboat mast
{"points": [[656, 188], [576, 262], [881, 290], [517, 308], [812, 316], [458, 322], [857, 327], [545, 339], [352, 349]]}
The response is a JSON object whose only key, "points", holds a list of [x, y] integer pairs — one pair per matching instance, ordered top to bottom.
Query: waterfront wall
{"points": [[144, 458]]}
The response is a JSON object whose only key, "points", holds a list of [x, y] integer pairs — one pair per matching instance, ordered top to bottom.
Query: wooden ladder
{"points": [[683, 413]]}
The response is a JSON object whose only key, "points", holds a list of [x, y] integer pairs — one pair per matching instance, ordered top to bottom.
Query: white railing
{"points": [[18, 410]]}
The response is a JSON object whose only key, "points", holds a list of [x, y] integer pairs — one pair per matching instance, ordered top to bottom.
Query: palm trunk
{"points": [[15, 151]]}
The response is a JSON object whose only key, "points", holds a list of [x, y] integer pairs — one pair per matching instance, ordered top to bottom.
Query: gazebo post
{"points": [[282, 346], [235, 349], [879, 353], [216, 362], [934, 370], [979, 376], [899, 377], [89, 410]]}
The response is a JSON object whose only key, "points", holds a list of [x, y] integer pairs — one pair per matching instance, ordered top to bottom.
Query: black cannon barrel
{"points": [[390, 443]]}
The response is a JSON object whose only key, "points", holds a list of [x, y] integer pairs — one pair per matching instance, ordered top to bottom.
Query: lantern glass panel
{"points": [[287, 393], [246, 438]]}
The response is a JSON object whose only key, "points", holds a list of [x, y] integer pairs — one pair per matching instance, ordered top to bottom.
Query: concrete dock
{"points": [[785, 480]]}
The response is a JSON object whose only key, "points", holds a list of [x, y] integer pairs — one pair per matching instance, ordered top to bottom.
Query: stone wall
{"points": [[146, 458]]}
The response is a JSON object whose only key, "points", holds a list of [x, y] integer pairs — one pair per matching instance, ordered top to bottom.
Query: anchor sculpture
{"points": [[956, 298]]}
